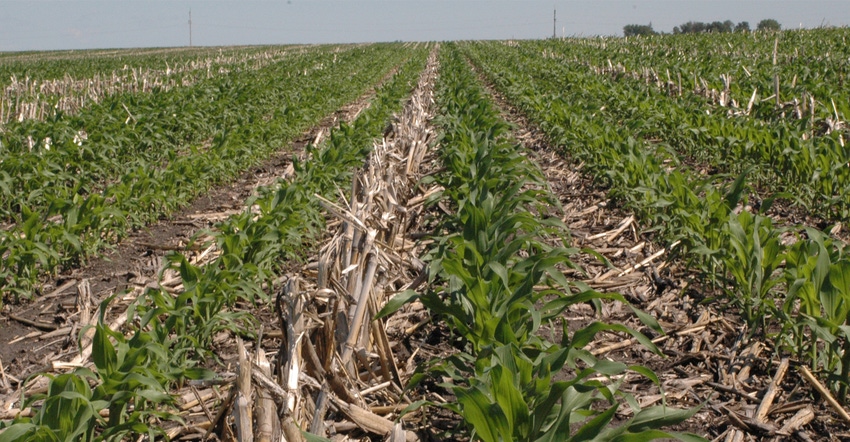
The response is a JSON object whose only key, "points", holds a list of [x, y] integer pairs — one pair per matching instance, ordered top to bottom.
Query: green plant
{"points": [[176, 144], [656, 157], [755, 255], [486, 272], [817, 306], [171, 335], [129, 388]]}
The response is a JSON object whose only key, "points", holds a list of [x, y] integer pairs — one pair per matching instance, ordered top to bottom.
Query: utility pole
{"points": [[554, 23], [190, 28]]}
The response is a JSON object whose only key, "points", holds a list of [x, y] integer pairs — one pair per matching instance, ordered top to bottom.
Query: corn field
{"points": [[578, 239]]}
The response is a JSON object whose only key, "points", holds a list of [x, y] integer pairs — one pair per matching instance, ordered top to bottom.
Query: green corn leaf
{"points": [[733, 196], [501, 272], [836, 295], [396, 302], [647, 319], [584, 336], [103, 352], [609, 368], [198, 373], [649, 374], [506, 390], [573, 403], [416, 405], [542, 412], [658, 417], [488, 420], [592, 428], [21, 432], [309, 437]]}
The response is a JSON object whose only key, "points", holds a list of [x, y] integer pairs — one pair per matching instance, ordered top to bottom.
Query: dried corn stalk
{"points": [[339, 368]]}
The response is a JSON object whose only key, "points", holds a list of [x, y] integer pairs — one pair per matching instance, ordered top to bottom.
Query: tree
{"points": [[769, 24], [743, 26], [691, 27], [718, 27], [636, 30]]}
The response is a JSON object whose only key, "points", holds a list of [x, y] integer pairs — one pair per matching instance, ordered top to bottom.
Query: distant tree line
{"points": [[697, 27], [632, 30]]}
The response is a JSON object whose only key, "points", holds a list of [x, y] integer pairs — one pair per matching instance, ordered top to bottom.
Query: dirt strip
{"points": [[45, 330], [746, 392]]}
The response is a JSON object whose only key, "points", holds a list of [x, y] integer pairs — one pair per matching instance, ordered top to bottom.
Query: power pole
{"points": [[554, 23], [190, 28]]}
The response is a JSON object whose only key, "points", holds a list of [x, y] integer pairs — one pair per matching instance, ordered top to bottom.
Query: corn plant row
{"points": [[42, 67], [787, 70], [42, 97], [124, 131], [809, 153], [781, 156], [70, 200], [485, 269], [793, 279], [170, 336]]}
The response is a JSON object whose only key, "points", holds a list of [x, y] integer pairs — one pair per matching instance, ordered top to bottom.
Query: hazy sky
{"points": [[74, 24]]}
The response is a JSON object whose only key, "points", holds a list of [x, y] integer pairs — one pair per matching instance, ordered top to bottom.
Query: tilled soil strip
{"points": [[37, 335], [746, 392]]}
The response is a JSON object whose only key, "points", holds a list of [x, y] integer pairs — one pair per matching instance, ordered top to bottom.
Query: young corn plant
{"points": [[131, 171], [737, 251], [755, 254], [487, 271], [817, 305], [171, 335], [128, 396], [69, 412]]}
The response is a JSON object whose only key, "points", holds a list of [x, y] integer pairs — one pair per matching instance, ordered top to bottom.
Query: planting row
{"points": [[45, 66], [793, 74], [32, 92], [784, 158], [133, 159], [490, 257], [790, 284], [168, 336]]}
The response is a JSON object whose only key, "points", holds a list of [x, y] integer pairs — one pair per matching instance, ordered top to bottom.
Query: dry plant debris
{"points": [[337, 371]]}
